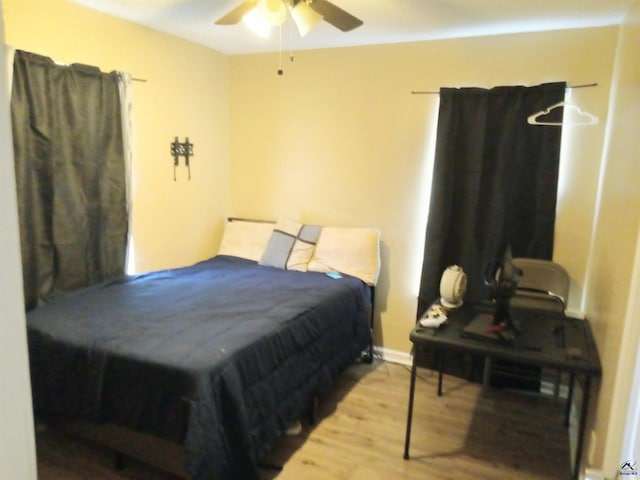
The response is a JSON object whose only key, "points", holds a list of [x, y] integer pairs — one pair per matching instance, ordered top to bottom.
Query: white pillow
{"points": [[245, 238], [352, 251]]}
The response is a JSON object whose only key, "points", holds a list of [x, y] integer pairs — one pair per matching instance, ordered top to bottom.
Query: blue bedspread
{"points": [[221, 356]]}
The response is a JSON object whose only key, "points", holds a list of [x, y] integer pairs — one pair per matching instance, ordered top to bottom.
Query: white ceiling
{"points": [[385, 21]]}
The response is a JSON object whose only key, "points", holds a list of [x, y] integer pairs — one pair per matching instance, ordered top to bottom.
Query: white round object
{"points": [[453, 284], [432, 322]]}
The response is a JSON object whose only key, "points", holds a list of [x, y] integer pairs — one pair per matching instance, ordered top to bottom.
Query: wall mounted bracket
{"points": [[181, 150]]}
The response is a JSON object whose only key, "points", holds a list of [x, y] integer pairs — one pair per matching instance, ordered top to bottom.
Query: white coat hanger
{"points": [[580, 116]]}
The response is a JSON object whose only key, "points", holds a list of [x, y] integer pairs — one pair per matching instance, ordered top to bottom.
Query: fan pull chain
{"points": [[291, 41], [291, 57], [280, 71]]}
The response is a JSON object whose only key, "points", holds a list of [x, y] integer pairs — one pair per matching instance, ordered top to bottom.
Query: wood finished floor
{"points": [[467, 433]]}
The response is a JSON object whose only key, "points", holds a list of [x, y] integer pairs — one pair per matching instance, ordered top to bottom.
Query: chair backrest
{"points": [[544, 285]]}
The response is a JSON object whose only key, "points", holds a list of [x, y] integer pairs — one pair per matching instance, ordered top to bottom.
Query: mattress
{"points": [[220, 357]]}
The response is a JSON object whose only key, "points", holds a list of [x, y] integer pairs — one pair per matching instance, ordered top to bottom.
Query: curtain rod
{"points": [[63, 64], [133, 79], [418, 92]]}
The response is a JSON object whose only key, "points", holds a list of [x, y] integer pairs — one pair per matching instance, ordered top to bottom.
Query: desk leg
{"points": [[440, 361], [486, 373], [412, 389], [567, 411], [582, 426]]}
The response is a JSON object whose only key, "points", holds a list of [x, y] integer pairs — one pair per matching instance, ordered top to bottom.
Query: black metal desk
{"points": [[546, 340]]}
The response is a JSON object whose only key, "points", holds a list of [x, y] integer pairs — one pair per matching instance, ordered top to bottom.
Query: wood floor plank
{"points": [[468, 433]]}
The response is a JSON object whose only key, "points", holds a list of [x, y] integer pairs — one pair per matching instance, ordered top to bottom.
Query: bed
{"points": [[220, 357]]}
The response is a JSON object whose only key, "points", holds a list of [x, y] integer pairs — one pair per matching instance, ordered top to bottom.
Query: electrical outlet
{"points": [[592, 447]]}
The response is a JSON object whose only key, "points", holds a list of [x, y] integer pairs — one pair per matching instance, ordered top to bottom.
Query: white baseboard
{"points": [[392, 356], [592, 474]]}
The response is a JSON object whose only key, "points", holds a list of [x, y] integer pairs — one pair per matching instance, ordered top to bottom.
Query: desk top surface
{"points": [[545, 339]]}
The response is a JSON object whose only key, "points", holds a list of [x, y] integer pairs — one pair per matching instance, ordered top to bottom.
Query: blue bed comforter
{"points": [[221, 356]]}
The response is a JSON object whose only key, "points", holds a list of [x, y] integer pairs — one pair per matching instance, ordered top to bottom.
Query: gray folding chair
{"points": [[544, 285]]}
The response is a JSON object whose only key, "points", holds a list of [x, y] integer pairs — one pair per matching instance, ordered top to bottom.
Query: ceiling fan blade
{"points": [[235, 15], [335, 15]]}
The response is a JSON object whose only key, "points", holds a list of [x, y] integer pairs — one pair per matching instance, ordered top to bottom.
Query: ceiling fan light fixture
{"points": [[273, 11], [305, 17], [256, 22]]}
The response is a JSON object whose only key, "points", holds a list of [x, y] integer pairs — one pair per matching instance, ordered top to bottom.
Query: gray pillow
{"points": [[290, 246]]}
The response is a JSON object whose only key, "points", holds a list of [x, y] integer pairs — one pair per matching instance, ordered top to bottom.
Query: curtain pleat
{"points": [[70, 175], [494, 183]]}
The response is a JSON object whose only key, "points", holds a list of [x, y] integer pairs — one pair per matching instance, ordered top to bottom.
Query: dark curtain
{"points": [[70, 175], [494, 183]]}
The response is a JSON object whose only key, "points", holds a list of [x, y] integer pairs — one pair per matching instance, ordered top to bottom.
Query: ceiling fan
{"points": [[305, 13]]}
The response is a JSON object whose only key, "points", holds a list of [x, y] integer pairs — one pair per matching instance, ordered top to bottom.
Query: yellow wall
{"points": [[186, 94], [339, 139], [610, 307]]}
